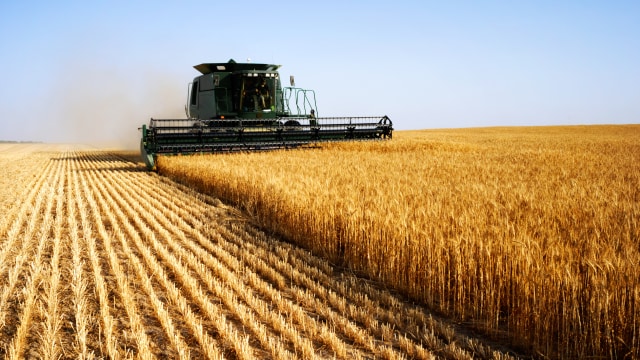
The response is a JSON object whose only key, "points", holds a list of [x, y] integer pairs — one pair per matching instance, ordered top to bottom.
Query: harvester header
{"points": [[243, 107]]}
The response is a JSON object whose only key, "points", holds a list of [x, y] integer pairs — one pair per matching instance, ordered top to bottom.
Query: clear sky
{"points": [[94, 71]]}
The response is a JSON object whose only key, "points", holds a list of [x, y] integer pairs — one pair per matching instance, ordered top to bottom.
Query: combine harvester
{"points": [[243, 107]]}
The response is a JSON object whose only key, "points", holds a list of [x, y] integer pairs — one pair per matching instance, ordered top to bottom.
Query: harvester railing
{"points": [[300, 97]]}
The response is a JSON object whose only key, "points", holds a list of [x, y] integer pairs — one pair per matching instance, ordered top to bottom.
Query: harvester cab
{"points": [[243, 106]]}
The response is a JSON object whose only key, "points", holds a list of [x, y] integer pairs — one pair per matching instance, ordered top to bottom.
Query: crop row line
{"points": [[106, 195], [41, 219], [208, 278]]}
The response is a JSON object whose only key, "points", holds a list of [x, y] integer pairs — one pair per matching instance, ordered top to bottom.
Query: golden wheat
{"points": [[526, 232]]}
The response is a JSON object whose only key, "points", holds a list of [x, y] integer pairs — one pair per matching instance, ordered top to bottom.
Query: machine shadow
{"points": [[107, 160]]}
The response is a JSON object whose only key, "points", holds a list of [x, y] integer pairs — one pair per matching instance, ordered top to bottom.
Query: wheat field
{"points": [[528, 233], [101, 259]]}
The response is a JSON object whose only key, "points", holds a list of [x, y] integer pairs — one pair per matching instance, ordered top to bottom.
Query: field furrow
{"points": [[101, 259]]}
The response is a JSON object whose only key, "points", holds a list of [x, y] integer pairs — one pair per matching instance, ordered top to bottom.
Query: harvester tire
{"points": [[292, 125]]}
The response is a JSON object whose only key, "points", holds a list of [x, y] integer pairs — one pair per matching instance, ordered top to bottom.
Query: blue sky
{"points": [[77, 71]]}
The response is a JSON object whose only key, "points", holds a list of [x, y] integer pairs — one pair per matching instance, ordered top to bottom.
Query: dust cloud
{"points": [[104, 107]]}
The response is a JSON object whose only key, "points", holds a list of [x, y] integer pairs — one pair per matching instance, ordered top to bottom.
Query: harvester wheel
{"points": [[292, 125]]}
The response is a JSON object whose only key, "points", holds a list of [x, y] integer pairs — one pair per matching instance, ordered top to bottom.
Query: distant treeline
{"points": [[19, 142]]}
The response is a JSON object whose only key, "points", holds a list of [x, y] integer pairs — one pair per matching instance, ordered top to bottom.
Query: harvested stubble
{"points": [[528, 232]]}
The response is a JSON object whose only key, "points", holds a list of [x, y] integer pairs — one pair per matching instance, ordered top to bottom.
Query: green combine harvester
{"points": [[243, 107]]}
